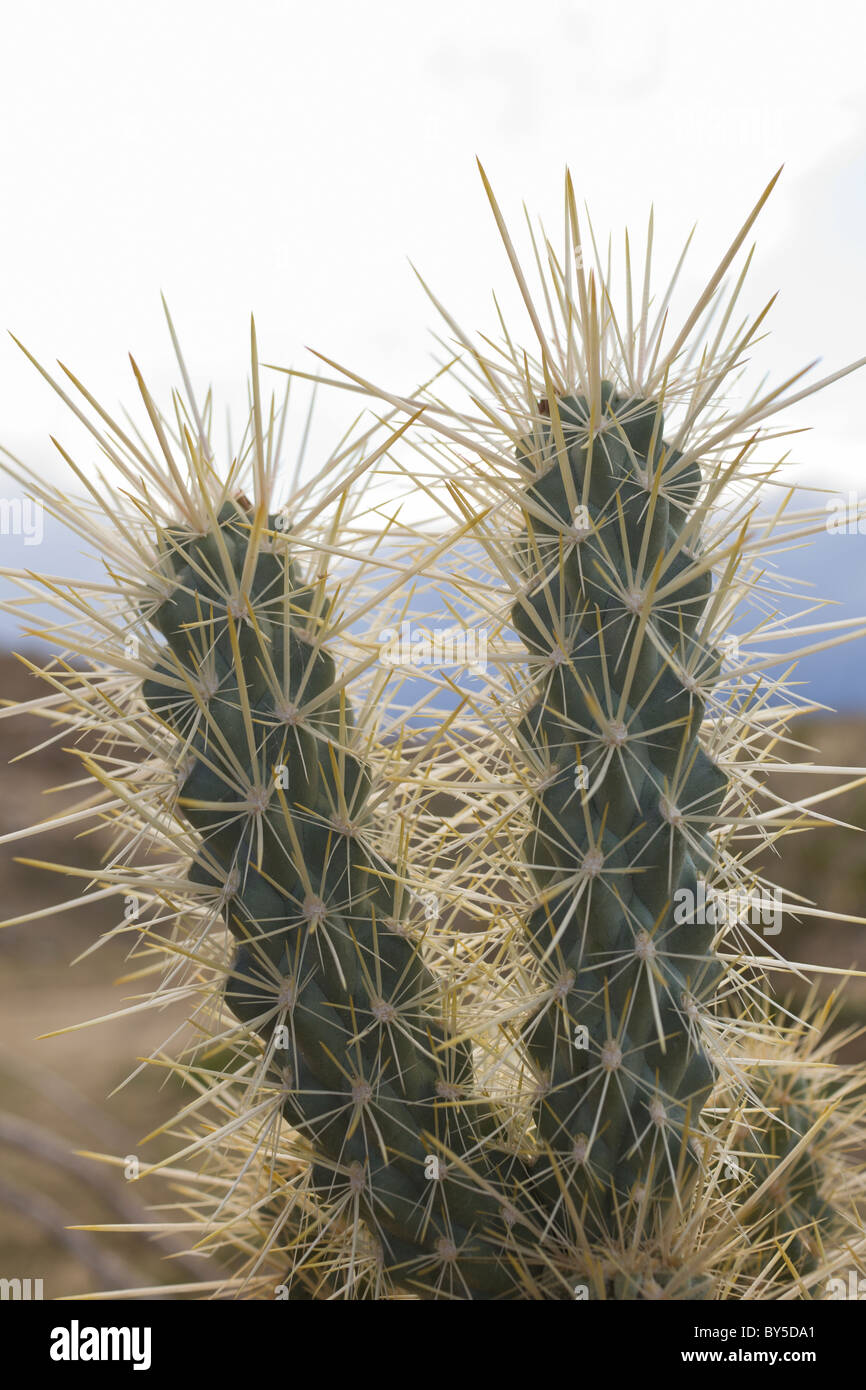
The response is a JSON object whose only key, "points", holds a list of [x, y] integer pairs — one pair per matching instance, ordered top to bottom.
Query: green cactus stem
{"points": [[610, 606], [277, 793]]}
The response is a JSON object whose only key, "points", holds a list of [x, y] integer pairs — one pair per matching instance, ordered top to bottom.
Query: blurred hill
{"points": [[827, 567]]}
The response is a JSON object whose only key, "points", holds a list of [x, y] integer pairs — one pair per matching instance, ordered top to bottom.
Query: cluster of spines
{"points": [[612, 611]]}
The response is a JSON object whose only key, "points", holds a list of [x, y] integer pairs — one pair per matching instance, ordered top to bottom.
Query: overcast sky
{"points": [[288, 158]]}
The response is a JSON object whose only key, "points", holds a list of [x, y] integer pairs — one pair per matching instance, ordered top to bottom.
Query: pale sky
{"points": [[288, 158]]}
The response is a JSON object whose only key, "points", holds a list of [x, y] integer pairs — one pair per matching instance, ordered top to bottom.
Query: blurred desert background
{"points": [[54, 1092], [56, 1098]]}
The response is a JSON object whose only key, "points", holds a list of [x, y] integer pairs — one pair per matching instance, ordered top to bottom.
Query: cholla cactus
{"points": [[614, 481], [229, 750], [274, 782], [591, 1092]]}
